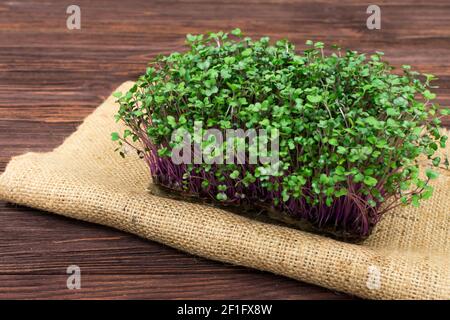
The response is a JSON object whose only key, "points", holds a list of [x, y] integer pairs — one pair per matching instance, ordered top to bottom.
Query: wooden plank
{"points": [[51, 78]]}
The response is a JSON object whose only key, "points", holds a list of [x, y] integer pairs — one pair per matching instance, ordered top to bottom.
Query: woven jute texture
{"points": [[407, 256]]}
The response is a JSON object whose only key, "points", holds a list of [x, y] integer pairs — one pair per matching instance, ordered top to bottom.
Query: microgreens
{"points": [[351, 131]]}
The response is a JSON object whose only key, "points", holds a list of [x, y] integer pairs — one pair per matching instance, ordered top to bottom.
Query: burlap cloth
{"points": [[407, 257]]}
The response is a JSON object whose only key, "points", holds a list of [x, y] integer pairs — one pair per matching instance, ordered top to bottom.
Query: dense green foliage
{"points": [[351, 131]]}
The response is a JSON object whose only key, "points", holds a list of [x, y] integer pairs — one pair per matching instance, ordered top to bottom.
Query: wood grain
{"points": [[52, 77]]}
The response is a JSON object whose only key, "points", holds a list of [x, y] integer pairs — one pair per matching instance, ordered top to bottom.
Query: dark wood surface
{"points": [[52, 77]]}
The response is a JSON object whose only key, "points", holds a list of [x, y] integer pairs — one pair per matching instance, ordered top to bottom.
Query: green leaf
{"points": [[236, 32], [191, 38], [247, 52], [428, 95], [314, 98], [392, 112], [138, 113], [182, 120], [171, 121], [372, 121], [127, 133], [115, 136], [333, 142], [342, 150], [163, 152], [436, 161], [340, 170], [431, 174], [234, 175], [358, 178], [323, 179], [370, 181], [205, 184], [341, 192], [428, 193], [221, 196], [285, 196], [415, 201], [372, 203]]}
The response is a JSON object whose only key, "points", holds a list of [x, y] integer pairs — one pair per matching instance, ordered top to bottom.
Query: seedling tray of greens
{"points": [[350, 132]]}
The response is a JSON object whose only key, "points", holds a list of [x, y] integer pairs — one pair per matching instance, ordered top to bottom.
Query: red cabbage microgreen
{"points": [[351, 132]]}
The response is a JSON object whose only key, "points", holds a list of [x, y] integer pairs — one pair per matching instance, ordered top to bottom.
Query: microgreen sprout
{"points": [[351, 131]]}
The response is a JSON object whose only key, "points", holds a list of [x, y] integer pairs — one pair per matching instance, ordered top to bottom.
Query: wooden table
{"points": [[52, 77]]}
